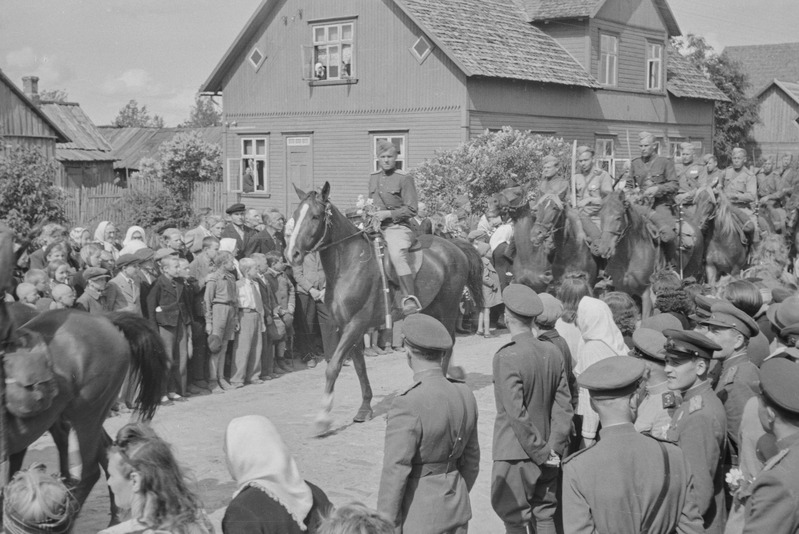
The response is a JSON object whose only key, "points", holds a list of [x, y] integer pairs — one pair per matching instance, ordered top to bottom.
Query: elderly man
{"points": [[689, 175], [654, 176], [740, 185], [394, 195], [252, 218], [237, 229], [271, 236]]}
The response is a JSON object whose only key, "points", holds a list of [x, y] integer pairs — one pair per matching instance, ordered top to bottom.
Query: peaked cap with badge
{"points": [[725, 315]]}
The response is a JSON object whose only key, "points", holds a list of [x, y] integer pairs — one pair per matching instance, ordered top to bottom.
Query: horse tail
{"points": [[474, 279], [149, 362]]}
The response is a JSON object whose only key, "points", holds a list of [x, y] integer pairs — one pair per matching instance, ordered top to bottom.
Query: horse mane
{"points": [[725, 220], [638, 223]]}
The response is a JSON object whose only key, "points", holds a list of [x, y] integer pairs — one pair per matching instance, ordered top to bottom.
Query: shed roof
{"points": [[765, 63], [685, 80], [60, 136], [87, 144], [131, 145]]}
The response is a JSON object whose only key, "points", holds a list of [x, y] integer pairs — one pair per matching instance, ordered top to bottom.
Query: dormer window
{"points": [[256, 58]]}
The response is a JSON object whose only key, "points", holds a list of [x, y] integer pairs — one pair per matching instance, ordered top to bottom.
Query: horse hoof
{"points": [[457, 372], [363, 415], [322, 427]]}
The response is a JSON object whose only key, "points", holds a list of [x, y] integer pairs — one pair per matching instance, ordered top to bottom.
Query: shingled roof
{"points": [[491, 38], [766, 63], [684, 80], [86, 142], [131, 145]]}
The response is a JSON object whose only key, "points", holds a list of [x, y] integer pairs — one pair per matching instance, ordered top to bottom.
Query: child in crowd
{"points": [[58, 271], [40, 280], [283, 290], [27, 294], [492, 295], [63, 297], [93, 298], [221, 316], [246, 366]]}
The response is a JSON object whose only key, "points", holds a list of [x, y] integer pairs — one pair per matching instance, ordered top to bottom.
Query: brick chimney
{"points": [[30, 86]]}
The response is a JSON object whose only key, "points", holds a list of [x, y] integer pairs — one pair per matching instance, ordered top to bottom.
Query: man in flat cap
{"points": [[689, 175], [654, 176], [593, 184], [739, 184], [394, 194], [236, 229], [657, 402], [534, 413], [699, 425], [432, 456], [628, 482], [774, 502]]}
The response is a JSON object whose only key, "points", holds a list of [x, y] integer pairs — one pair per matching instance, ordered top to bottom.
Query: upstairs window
{"points": [[333, 57], [608, 59], [654, 67]]}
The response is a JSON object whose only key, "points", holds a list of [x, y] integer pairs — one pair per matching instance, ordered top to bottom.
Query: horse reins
{"points": [[328, 223]]}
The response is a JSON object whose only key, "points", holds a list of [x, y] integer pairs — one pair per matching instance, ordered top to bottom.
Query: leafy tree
{"points": [[54, 95], [204, 113], [134, 116], [734, 119], [27, 193]]}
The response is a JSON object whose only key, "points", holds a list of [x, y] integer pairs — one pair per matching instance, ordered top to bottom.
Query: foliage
{"points": [[54, 95], [203, 114], [134, 116], [734, 120], [486, 165], [27, 193], [153, 210]]}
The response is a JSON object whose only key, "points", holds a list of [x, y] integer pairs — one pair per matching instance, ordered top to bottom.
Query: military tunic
{"points": [[658, 171], [690, 179], [789, 182], [767, 184], [557, 185], [596, 186], [740, 187], [394, 191], [739, 381], [655, 410], [699, 427], [431, 457], [612, 487], [773, 507]]}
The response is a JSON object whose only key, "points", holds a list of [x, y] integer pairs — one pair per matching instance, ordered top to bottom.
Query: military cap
{"points": [[643, 136], [384, 146], [687, 147], [584, 148], [739, 150], [707, 157], [550, 159], [235, 208], [162, 253], [144, 254], [127, 259], [95, 272], [779, 294], [522, 301], [702, 308], [553, 309], [784, 313], [725, 315], [661, 322], [790, 330], [425, 332], [214, 343], [651, 344], [689, 344], [613, 377], [778, 379]]}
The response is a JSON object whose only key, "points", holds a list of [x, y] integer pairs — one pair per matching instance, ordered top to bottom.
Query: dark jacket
{"points": [[241, 242], [168, 303], [254, 512]]}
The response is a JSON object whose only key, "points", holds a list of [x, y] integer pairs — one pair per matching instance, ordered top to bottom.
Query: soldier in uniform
{"points": [[712, 173], [689, 175], [654, 176], [789, 181], [553, 182], [739, 184], [593, 185], [394, 194], [770, 194], [657, 402], [534, 412], [699, 425], [431, 455], [628, 482], [773, 505]]}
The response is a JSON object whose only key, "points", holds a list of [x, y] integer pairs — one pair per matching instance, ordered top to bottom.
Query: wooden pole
{"points": [[574, 171]]}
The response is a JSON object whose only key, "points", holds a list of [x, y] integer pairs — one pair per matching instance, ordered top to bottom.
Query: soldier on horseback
{"points": [[689, 175], [656, 180], [739, 184], [592, 185], [394, 194]]}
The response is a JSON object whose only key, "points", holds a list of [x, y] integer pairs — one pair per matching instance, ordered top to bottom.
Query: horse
{"points": [[626, 243], [725, 252], [691, 263], [354, 289], [90, 357]]}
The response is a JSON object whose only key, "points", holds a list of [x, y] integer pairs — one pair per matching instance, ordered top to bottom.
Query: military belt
{"points": [[432, 468]]}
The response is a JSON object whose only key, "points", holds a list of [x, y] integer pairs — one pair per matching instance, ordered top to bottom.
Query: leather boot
{"points": [[410, 304]]}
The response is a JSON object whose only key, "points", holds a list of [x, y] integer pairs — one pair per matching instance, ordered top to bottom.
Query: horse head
{"points": [[705, 202], [548, 212], [311, 221], [614, 222]]}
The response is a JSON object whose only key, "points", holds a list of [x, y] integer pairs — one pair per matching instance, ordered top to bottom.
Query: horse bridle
{"points": [[547, 236], [320, 246]]}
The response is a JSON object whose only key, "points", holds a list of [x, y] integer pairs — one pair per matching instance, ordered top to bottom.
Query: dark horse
{"points": [[627, 246], [725, 252], [354, 291]]}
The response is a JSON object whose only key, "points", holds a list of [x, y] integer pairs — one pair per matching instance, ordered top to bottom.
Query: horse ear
{"points": [[325, 191], [300, 193]]}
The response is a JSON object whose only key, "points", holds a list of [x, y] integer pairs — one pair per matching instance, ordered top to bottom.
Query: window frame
{"points": [[340, 43], [654, 62], [603, 67], [402, 150], [255, 157], [601, 158]]}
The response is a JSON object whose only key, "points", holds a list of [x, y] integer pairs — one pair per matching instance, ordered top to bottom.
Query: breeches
{"points": [[398, 240], [523, 493]]}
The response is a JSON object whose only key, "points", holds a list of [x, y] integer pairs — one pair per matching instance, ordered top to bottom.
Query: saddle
{"points": [[415, 261]]}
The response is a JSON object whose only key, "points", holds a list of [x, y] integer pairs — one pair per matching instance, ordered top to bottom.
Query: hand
{"points": [[651, 191], [383, 215], [314, 293], [321, 296], [209, 329], [587, 442]]}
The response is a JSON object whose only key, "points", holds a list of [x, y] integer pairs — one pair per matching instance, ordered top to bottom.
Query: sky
{"points": [[104, 53]]}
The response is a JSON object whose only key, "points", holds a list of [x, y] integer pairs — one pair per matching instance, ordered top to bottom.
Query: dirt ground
{"points": [[346, 464]]}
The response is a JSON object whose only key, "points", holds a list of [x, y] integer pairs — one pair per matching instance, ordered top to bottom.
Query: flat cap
{"points": [[687, 147], [584, 148], [707, 157], [550, 159], [235, 208], [162, 253], [144, 254], [127, 259], [95, 272], [779, 294], [522, 300], [703, 305], [553, 309], [784, 313], [725, 315], [661, 322], [425, 332], [214, 343], [651, 344], [689, 344], [613, 377], [778, 379]]}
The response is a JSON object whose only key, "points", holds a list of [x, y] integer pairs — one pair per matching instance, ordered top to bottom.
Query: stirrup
{"points": [[414, 307]]}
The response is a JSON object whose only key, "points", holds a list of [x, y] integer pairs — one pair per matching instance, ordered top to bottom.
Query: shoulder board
{"points": [[400, 172], [375, 173], [505, 346], [729, 375], [456, 380], [410, 388], [695, 404], [662, 439], [572, 456], [776, 459]]}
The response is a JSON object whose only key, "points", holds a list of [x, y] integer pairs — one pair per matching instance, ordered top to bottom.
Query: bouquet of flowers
{"points": [[367, 209]]}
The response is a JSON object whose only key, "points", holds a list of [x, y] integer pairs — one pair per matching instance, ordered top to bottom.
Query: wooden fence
{"points": [[87, 206]]}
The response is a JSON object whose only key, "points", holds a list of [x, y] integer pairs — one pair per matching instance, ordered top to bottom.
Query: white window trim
{"points": [[340, 43], [421, 58], [654, 60], [255, 65], [614, 72], [402, 157], [600, 157], [255, 158]]}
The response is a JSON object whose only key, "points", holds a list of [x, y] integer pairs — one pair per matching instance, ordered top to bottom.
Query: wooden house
{"points": [[310, 87], [23, 123]]}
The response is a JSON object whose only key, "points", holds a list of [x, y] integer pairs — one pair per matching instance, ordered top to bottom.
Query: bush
{"points": [[186, 159], [486, 165], [154, 210]]}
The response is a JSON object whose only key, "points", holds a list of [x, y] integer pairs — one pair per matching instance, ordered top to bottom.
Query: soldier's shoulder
{"points": [[400, 172], [376, 173], [507, 348], [413, 386], [662, 439], [584, 454], [776, 459]]}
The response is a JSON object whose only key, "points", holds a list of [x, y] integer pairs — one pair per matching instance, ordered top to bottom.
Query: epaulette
{"points": [[376, 172], [400, 172], [506, 345], [729, 375], [456, 380], [410, 388], [695, 404], [663, 439], [574, 455], [776, 459]]}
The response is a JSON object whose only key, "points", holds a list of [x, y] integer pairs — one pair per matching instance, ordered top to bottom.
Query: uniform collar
{"points": [[523, 335], [734, 361], [428, 373], [657, 389], [697, 390], [617, 430], [791, 440]]}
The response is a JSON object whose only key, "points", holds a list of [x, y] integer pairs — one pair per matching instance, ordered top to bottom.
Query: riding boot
{"points": [[667, 234], [410, 304]]}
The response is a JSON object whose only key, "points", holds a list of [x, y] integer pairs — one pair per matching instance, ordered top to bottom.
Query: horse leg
{"points": [[365, 411], [60, 433], [90, 442], [104, 465]]}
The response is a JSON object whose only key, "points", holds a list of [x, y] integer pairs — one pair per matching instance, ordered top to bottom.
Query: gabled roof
{"points": [[543, 10], [765, 63], [685, 80], [789, 88], [61, 137], [87, 144], [131, 145]]}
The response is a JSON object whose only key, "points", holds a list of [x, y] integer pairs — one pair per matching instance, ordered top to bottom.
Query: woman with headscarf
{"points": [[105, 236], [135, 239], [600, 339], [271, 497]]}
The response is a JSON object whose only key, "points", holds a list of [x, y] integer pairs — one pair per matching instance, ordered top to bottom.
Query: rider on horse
{"points": [[690, 175], [654, 176], [739, 184], [592, 185], [394, 194], [771, 194]]}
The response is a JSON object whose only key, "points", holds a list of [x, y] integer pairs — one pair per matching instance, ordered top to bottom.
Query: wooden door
{"points": [[299, 169]]}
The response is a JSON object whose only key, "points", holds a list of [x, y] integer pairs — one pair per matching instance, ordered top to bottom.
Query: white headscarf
{"points": [[129, 235], [99, 237], [595, 321], [258, 457]]}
